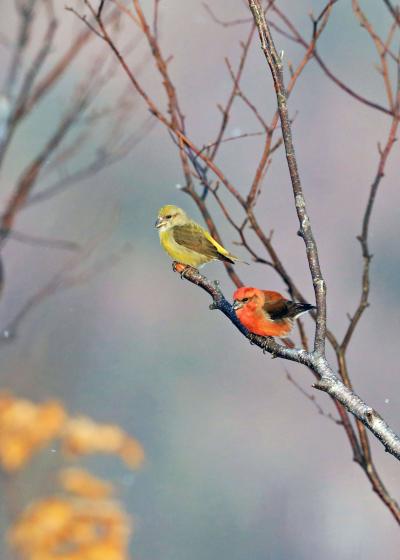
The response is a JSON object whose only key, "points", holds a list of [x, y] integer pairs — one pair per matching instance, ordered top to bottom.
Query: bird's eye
{"points": [[168, 217], [245, 299]]}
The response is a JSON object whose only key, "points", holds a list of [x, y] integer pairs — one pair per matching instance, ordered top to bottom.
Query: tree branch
{"points": [[393, 10], [197, 165], [305, 231], [328, 381]]}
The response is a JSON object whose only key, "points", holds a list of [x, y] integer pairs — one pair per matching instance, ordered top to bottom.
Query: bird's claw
{"points": [[180, 268], [251, 339], [265, 349]]}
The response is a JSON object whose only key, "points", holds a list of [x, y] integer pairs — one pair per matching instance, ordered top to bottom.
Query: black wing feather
{"points": [[287, 309]]}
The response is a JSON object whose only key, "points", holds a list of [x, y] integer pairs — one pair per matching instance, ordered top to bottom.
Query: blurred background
{"points": [[239, 464]]}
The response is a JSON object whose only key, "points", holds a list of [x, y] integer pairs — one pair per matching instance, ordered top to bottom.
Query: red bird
{"points": [[266, 313]]}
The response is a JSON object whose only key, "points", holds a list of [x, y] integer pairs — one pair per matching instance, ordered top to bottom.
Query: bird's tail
{"points": [[231, 259], [296, 309]]}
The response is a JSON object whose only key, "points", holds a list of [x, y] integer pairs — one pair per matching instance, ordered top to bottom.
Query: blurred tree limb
{"points": [[36, 64]]}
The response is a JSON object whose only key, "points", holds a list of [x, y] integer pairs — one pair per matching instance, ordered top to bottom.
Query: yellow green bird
{"points": [[187, 242]]}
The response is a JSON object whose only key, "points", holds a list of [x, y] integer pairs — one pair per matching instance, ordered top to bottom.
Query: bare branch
{"points": [[101, 6], [394, 11], [26, 15], [223, 23], [327, 71], [236, 79], [104, 158], [198, 165], [28, 178], [305, 231], [363, 237], [36, 241], [312, 254], [71, 274], [327, 379], [312, 399]]}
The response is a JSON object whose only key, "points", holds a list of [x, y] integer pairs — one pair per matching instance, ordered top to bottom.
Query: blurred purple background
{"points": [[239, 464]]}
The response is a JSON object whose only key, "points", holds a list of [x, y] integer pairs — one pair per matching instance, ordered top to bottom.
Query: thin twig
{"points": [[395, 11], [299, 39], [43, 242], [312, 399]]}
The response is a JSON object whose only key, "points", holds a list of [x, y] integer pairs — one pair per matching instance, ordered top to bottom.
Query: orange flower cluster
{"points": [[25, 428], [82, 436], [81, 483], [82, 525]]}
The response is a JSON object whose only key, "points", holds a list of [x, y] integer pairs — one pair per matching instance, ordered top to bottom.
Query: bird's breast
{"points": [[179, 252], [259, 323]]}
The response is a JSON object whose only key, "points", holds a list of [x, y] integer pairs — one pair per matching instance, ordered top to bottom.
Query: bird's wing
{"points": [[194, 237], [279, 309]]}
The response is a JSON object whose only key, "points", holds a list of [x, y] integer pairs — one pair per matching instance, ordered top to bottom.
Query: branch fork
{"points": [[327, 380]]}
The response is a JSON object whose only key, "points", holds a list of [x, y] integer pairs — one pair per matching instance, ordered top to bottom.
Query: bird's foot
{"points": [[180, 268], [185, 271], [251, 339], [268, 350]]}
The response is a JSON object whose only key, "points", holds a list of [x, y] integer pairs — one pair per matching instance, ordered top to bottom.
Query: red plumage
{"points": [[265, 312]]}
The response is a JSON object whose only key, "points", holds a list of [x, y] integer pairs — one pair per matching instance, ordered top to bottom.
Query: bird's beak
{"points": [[159, 222], [237, 304]]}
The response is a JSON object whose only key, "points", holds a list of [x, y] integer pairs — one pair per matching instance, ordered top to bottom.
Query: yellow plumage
{"points": [[187, 242]]}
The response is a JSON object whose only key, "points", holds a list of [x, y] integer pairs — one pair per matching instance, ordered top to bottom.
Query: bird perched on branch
{"points": [[187, 242], [267, 313]]}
